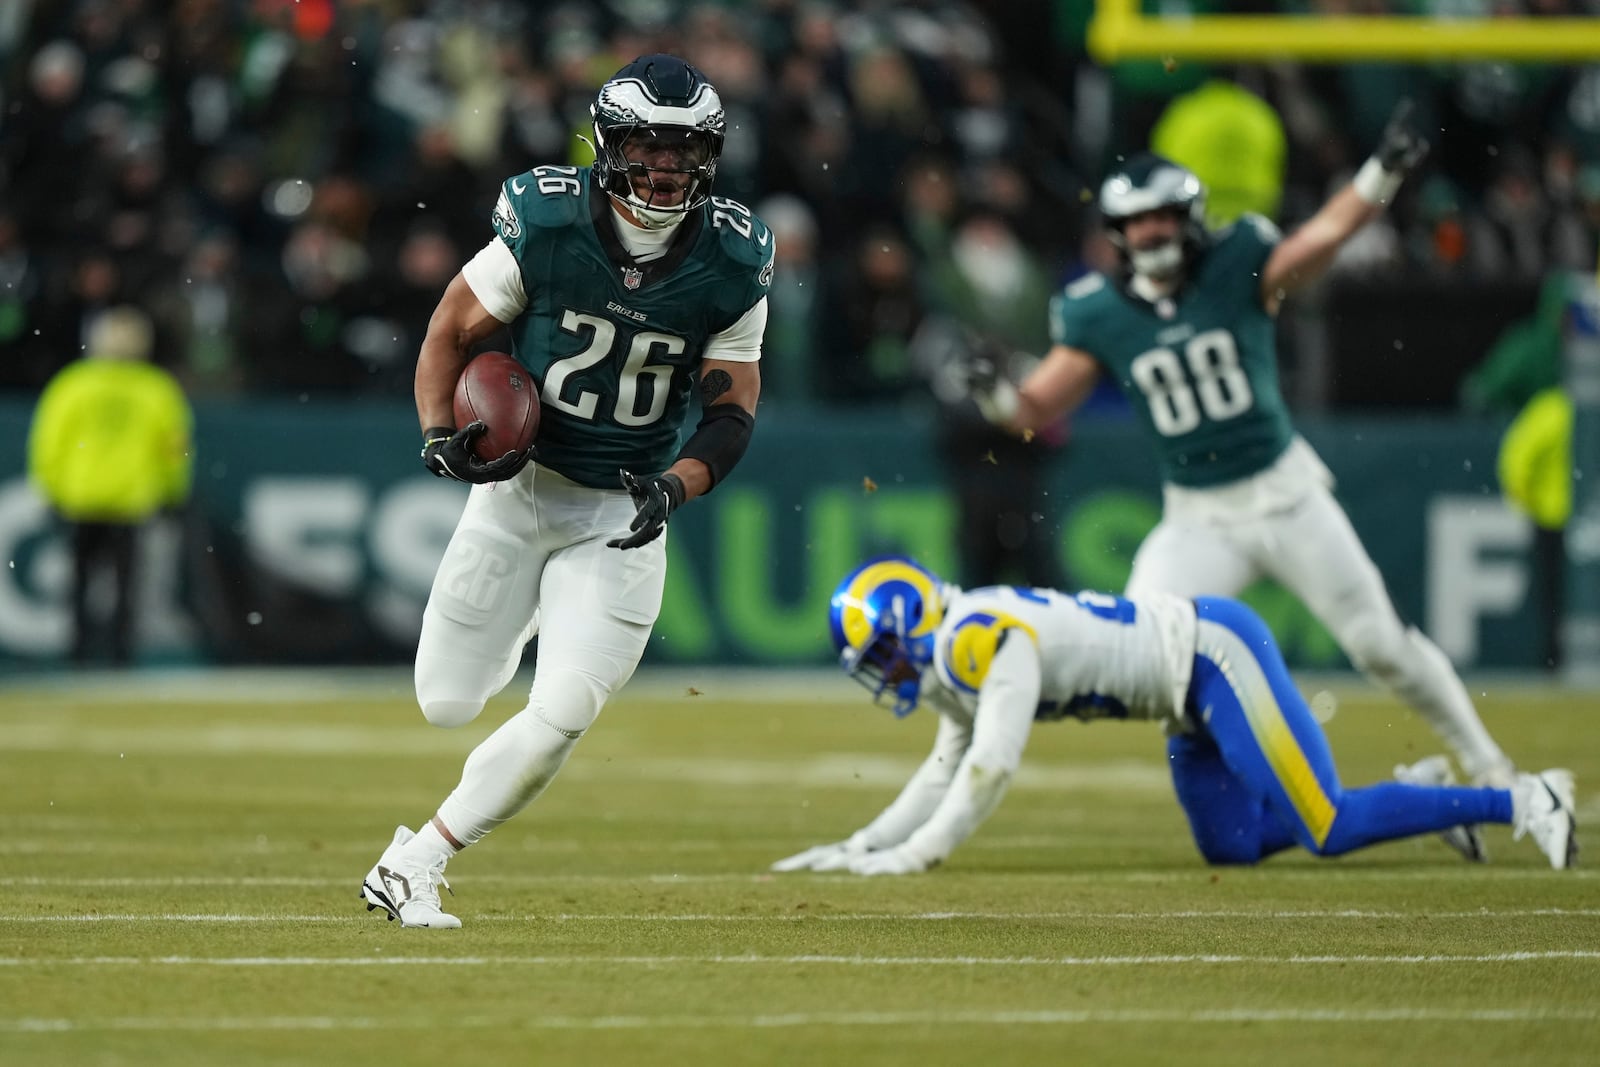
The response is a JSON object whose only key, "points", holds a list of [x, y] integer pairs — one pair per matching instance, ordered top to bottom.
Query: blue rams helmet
{"points": [[671, 105], [883, 617]]}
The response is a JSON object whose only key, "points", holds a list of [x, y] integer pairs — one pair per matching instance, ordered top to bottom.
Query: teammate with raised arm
{"points": [[626, 285], [1186, 330], [1251, 766]]}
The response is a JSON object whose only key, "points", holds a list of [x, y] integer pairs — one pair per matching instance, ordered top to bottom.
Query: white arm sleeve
{"points": [[496, 280], [741, 342], [1007, 702], [923, 792]]}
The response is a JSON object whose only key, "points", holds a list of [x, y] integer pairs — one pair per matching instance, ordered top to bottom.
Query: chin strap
{"points": [[650, 218], [1159, 262]]}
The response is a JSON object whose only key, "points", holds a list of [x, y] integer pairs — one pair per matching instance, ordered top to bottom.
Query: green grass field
{"points": [[181, 864]]}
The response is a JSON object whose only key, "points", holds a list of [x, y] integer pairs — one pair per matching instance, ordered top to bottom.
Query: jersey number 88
{"points": [[1214, 385]]}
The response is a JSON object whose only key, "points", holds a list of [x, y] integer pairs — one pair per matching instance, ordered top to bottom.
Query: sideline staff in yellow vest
{"points": [[1234, 142], [108, 449], [1536, 459], [1535, 467]]}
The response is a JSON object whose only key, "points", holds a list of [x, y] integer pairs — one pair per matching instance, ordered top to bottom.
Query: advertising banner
{"points": [[313, 535]]}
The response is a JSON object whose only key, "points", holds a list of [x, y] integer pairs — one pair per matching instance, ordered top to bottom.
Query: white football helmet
{"points": [[661, 102], [1148, 182]]}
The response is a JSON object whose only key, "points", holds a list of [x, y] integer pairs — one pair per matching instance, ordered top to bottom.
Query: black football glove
{"points": [[1402, 146], [448, 454], [656, 498]]}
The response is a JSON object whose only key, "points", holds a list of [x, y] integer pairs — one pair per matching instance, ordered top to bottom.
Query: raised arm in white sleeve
{"points": [[1007, 701]]}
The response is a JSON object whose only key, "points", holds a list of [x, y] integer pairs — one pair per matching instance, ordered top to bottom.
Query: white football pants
{"points": [[1313, 551], [529, 556]]}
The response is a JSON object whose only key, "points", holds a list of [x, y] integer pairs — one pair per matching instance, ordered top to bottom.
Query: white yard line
{"points": [[303, 685], [760, 685], [838, 770], [1319, 873], [842, 917], [1202, 959], [1401, 1015]]}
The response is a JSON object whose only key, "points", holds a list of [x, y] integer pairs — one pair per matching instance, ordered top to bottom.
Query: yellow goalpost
{"points": [[1119, 30]]}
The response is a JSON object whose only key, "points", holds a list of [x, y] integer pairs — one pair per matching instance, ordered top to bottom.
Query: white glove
{"points": [[991, 390], [834, 857], [897, 860]]}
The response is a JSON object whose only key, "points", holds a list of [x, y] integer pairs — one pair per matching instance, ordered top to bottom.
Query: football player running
{"points": [[626, 286], [1186, 330], [1251, 766]]}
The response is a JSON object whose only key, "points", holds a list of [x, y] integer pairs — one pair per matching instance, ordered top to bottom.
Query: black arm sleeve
{"points": [[720, 439]]}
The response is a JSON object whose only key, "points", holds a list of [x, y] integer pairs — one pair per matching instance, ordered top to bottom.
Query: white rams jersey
{"points": [[1100, 656], [1007, 657]]}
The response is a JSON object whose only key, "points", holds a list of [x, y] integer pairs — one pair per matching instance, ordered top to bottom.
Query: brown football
{"points": [[498, 391]]}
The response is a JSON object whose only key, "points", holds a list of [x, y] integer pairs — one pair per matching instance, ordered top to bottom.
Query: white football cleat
{"points": [[1435, 771], [1541, 805], [406, 889]]}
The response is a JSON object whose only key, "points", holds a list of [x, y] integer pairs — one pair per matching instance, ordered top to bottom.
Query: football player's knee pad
{"points": [[446, 698], [568, 701], [447, 713]]}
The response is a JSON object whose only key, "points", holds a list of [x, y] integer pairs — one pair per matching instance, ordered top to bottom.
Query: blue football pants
{"points": [[1258, 776]]}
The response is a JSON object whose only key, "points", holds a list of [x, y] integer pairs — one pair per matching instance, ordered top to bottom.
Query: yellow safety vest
{"points": [[110, 441], [1536, 459]]}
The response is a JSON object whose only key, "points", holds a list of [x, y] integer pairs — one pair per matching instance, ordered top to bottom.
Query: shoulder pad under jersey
{"points": [[743, 237], [967, 642]]}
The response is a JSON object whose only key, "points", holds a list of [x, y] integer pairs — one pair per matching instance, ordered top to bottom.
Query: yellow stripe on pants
{"points": [[1277, 742]]}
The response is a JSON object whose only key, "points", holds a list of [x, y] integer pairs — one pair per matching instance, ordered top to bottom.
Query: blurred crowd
{"points": [[286, 186]]}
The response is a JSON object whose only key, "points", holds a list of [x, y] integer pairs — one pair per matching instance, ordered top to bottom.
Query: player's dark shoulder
{"points": [[541, 198], [1246, 237], [743, 243], [1089, 291], [1078, 304]]}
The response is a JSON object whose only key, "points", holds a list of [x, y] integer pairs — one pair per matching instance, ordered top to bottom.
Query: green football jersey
{"points": [[615, 346], [1201, 369]]}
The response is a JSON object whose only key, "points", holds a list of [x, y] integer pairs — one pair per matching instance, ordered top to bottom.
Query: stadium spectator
{"points": [[134, 127], [930, 204], [989, 283], [794, 304], [875, 304], [204, 316], [24, 360], [1006, 524]]}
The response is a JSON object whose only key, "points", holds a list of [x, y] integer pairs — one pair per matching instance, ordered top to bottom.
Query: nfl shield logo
{"points": [[631, 277]]}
